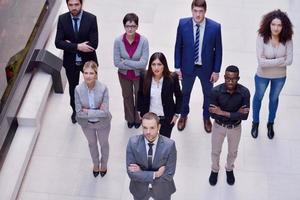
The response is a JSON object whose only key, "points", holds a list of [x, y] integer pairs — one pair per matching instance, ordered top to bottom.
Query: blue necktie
{"points": [[76, 26], [76, 30], [196, 52]]}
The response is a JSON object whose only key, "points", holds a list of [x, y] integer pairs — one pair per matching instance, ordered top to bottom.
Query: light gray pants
{"points": [[130, 89], [93, 133], [217, 138], [150, 196]]}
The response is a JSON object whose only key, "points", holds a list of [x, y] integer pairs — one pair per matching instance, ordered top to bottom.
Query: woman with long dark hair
{"points": [[274, 49], [160, 93]]}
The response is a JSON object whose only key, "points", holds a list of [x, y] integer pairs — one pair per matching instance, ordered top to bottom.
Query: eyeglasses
{"points": [[131, 26], [227, 79]]}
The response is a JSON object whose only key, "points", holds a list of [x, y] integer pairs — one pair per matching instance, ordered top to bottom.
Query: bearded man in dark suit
{"points": [[77, 36]]}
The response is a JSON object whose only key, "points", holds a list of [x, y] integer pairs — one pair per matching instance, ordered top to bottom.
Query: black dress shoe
{"points": [[73, 117], [181, 123], [130, 125], [137, 125], [207, 125], [254, 129], [270, 130], [95, 173], [102, 173], [230, 177], [213, 178]]}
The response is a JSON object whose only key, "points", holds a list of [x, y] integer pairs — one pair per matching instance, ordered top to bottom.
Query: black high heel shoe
{"points": [[130, 125], [137, 125], [95, 173], [103, 173]]}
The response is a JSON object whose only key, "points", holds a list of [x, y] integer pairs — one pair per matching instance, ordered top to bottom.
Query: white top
{"points": [[202, 29], [272, 61], [91, 97], [155, 97]]}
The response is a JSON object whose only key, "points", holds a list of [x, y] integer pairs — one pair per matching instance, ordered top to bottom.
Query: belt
{"points": [[78, 63], [197, 66], [161, 117], [93, 122], [229, 126]]}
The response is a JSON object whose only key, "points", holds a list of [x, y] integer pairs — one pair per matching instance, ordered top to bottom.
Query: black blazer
{"points": [[88, 31], [170, 88]]}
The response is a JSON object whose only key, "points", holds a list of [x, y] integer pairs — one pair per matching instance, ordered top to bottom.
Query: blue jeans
{"points": [[261, 85]]}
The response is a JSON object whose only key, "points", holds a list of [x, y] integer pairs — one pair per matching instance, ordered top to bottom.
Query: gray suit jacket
{"points": [[100, 98], [165, 155]]}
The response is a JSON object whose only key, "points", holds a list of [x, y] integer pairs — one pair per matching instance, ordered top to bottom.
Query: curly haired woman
{"points": [[274, 49]]}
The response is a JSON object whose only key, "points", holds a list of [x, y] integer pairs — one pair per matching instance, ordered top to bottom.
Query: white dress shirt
{"points": [[91, 97], [155, 97]]}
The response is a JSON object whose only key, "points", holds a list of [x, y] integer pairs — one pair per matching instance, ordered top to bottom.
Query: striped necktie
{"points": [[196, 52]]}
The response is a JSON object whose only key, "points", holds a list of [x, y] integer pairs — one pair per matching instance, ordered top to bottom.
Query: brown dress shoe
{"points": [[181, 123], [207, 125]]}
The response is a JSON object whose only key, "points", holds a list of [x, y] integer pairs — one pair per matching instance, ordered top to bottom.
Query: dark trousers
{"points": [[73, 73], [187, 86], [130, 89], [165, 127]]}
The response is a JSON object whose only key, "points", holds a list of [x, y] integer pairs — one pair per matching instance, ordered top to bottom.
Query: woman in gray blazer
{"points": [[131, 52], [92, 113]]}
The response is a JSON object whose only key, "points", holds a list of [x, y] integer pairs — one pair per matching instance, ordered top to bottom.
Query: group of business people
{"points": [[153, 98]]}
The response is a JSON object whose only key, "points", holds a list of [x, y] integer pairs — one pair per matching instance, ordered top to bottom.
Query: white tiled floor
{"points": [[60, 168]]}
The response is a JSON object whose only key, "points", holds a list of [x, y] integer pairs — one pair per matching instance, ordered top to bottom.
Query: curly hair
{"points": [[287, 26]]}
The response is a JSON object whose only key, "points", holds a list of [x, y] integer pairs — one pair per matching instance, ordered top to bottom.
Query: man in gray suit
{"points": [[151, 162]]}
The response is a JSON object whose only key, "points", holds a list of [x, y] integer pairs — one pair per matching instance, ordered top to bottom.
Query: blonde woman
{"points": [[92, 113]]}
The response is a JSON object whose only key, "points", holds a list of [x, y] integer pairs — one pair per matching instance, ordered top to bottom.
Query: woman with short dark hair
{"points": [[131, 52]]}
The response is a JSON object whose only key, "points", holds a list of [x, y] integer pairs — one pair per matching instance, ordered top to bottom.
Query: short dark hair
{"points": [[79, 1], [199, 3], [131, 17], [287, 26], [232, 68], [150, 116]]}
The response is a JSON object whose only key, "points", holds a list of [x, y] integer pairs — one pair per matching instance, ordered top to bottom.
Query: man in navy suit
{"points": [[77, 36], [198, 53], [151, 162]]}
